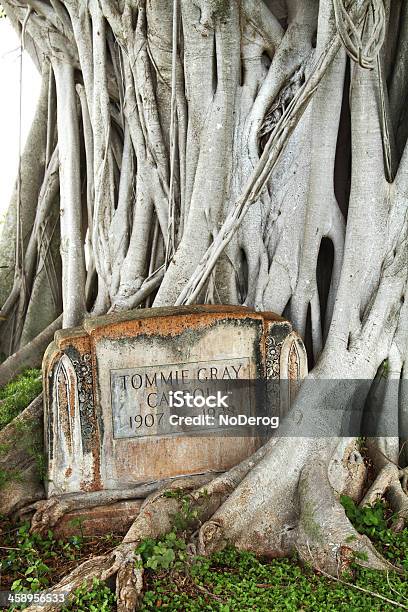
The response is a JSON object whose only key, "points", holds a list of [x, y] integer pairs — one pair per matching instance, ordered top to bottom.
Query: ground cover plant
{"points": [[31, 562], [227, 581]]}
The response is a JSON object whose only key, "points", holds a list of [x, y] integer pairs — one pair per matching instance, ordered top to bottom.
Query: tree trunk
{"points": [[240, 152]]}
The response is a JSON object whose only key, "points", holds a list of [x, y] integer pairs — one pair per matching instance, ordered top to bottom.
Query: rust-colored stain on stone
{"points": [[165, 326], [80, 341], [64, 403], [96, 483]]}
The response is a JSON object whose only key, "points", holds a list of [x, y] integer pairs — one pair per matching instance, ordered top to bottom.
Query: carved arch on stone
{"points": [[293, 369], [67, 442]]}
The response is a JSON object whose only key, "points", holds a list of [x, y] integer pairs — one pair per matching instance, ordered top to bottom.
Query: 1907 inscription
{"points": [[141, 398]]}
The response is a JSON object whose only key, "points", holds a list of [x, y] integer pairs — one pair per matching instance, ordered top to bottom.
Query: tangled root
{"points": [[320, 534]]}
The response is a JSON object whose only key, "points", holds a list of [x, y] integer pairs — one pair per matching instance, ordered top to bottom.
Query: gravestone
{"points": [[106, 389]]}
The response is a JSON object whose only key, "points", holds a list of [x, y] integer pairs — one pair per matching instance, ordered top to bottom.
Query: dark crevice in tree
{"points": [[279, 9], [266, 60], [215, 67], [342, 168], [84, 178], [324, 269], [242, 276], [92, 289], [286, 314], [308, 339]]}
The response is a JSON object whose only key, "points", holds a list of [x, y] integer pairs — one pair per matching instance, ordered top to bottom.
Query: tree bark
{"points": [[200, 147]]}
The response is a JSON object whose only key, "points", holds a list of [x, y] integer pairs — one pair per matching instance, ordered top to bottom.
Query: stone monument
{"points": [[106, 389]]}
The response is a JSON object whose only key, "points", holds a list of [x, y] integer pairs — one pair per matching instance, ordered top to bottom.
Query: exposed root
{"points": [[403, 475], [391, 483], [380, 485], [399, 503], [159, 510], [47, 513], [261, 513], [155, 519], [322, 535], [325, 537], [211, 538], [101, 568], [129, 583]]}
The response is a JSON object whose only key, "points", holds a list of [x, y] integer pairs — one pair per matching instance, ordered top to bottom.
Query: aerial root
{"points": [[30, 355], [325, 537], [100, 568], [129, 583]]}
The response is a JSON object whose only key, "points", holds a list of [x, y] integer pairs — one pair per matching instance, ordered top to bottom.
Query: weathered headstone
{"points": [[106, 392]]}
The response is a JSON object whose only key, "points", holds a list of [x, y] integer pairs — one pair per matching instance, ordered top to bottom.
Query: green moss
{"points": [[18, 394], [4, 449]]}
